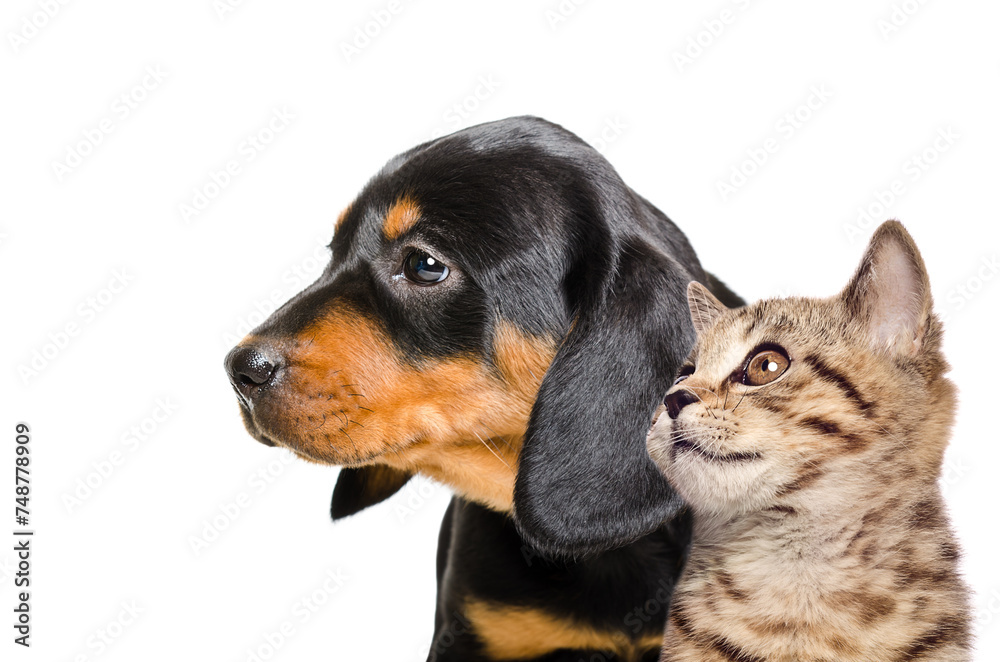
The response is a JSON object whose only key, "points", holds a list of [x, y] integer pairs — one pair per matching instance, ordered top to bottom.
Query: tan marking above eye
{"points": [[342, 216], [402, 216], [766, 366]]}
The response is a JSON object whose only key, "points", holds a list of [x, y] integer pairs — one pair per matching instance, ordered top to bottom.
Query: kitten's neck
{"points": [[797, 540]]}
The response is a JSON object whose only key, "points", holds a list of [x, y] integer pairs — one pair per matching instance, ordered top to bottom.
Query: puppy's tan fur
{"points": [[820, 531]]}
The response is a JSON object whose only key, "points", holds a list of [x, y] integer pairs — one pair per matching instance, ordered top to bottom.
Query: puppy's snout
{"points": [[251, 368], [678, 400]]}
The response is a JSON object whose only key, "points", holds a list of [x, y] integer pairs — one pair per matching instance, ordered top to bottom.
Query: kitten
{"points": [[807, 436]]}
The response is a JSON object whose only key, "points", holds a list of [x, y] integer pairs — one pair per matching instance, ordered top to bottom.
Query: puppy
{"points": [[500, 313]]}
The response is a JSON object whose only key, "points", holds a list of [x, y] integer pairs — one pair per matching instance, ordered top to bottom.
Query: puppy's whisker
{"points": [[322, 423], [357, 453]]}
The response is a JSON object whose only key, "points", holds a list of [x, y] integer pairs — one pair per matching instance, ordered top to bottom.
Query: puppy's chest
{"points": [[609, 617]]}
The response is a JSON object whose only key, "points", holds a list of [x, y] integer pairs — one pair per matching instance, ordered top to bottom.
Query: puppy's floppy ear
{"points": [[585, 482], [365, 486]]}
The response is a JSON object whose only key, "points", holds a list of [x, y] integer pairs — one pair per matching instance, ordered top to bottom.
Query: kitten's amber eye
{"points": [[765, 366]]}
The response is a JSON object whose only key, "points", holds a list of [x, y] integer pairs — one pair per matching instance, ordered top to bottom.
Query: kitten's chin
{"points": [[658, 441], [715, 481]]}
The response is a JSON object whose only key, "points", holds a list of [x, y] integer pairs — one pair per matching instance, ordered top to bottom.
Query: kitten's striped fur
{"points": [[820, 531]]}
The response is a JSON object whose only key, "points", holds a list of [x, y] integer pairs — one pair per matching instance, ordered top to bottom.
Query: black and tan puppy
{"points": [[500, 313]]}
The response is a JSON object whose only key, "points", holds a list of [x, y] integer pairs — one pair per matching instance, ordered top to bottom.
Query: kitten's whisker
{"points": [[703, 402], [740, 402], [496, 435], [894, 437], [490, 449]]}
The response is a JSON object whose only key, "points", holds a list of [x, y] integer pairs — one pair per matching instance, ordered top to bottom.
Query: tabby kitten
{"points": [[807, 435]]}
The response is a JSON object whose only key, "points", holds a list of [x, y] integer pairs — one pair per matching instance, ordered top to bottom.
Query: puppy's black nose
{"points": [[250, 367], [678, 400]]}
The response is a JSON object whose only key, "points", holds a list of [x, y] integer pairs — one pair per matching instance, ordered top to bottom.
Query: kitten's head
{"points": [[788, 396]]}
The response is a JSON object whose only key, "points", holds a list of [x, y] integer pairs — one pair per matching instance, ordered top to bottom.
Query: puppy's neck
{"points": [[479, 469]]}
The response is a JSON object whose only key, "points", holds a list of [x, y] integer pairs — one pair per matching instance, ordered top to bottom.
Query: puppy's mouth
{"points": [[251, 426], [268, 437], [282, 437], [682, 443]]}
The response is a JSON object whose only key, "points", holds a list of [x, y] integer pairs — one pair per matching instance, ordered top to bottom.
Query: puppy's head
{"points": [[499, 313]]}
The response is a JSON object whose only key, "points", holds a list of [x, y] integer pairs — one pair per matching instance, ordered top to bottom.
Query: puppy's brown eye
{"points": [[424, 269], [765, 366]]}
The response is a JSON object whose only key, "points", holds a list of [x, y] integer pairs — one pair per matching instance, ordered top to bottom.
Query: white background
{"points": [[606, 70]]}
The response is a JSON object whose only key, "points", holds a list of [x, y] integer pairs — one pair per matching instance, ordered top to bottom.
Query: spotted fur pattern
{"points": [[820, 530]]}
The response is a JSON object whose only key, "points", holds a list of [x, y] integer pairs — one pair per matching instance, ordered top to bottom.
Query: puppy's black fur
{"points": [[541, 236]]}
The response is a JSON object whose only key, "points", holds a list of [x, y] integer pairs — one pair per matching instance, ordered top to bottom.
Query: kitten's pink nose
{"points": [[678, 400]]}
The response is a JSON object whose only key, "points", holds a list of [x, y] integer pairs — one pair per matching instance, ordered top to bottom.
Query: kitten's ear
{"points": [[890, 291], [705, 308]]}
